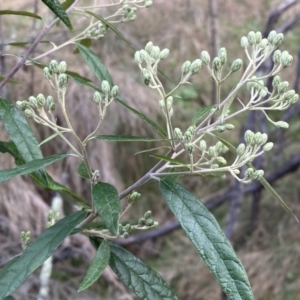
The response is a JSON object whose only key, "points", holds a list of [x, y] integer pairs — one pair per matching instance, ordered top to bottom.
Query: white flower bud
{"points": [[148, 3], [272, 36], [258, 37], [251, 38], [278, 39], [244, 42], [263, 44], [149, 47], [155, 52], [164, 53], [222, 54], [277, 56], [137, 57], [205, 57], [216, 64], [236, 65], [53, 66], [196, 66], [62, 67], [186, 67], [47, 73], [146, 76], [62, 80], [276, 81], [105, 87], [282, 87], [114, 91], [263, 92], [289, 94], [97, 97], [294, 99], [40, 100], [169, 102], [29, 113], [282, 124], [229, 126], [178, 133], [248, 136], [264, 138], [202, 145], [268, 146], [219, 147], [190, 148], [240, 149], [212, 151], [221, 160], [249, 173], [258, 175]]}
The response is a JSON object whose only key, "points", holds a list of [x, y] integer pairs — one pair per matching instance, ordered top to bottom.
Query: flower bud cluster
{"points": [[128, 13], [97, 32], [191, 68], [59, 70], [258, 87], [108, 93], [169, 103], [214, 153], [251, 174], [131, 198], [52, 218], [146, 220], [25, 239]]}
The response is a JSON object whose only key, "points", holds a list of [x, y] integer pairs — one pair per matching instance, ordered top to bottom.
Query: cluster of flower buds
{"points": [[128, 13], [97, 32], [281, 60], [190, 68], [59, 70], [258, 89], [108, 93], [35, 105], [168, 106], [223, 127], [214, 153], [251, 175], [131, 198], [52, 218], [146, 220], [125, 230], [25, 239]]}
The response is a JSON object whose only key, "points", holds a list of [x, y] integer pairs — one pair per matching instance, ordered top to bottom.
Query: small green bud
{"points": [[148, 3], [272, 36], [258, 37], [251, 38], [278, 39], [244, 42], [263, 44], [149, 47], [155, 52], [164, 53], [222, 54], [144, 55], [277, 56], [137, 57], [205, 57], [286, 59], [216, 64], [236, 65], [53, 66], [196, 66], [62, 67], [186, 67], [47, 73], [146, 76], [62, 80], [276, 81], [105, 87], [282, 87], [114, 91], [263, 92], [289, 94], [97, 97], [294, 99], [40, 100], [49, 101], [33, 102], [169, 102], [161, 104], [19, 105], [51, 107], [29, 113], [282, 124], [229, 126], [221, 128], [178, 133], [248, 136], [257, 138], [264, 138], [202, 145], [219, 147], [267, 147], [190, 148], [225, 149], [240, 149], [212, 151], [221, 160], [214, 166], [249, 173], [258, 175], [134, 196], [148, 214], [142, 222], [149, 222], [127, 228], [125, 235]]}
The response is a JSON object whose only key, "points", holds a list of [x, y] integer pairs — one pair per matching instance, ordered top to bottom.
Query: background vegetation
{"points": [[264, 235]]}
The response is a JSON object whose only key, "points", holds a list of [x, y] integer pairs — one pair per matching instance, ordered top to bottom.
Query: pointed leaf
{"points": [[65, 5], [56, 7], [20, 13], [85, 42], [95, 64], [13, 81], [201, 113], [141, 116], [51, 137], [127, 138], [152, 149], [171, 160], [30, 166], [82, 171], [106, 200], [205, 233], [37, 252], [97, 266], [138, 277]]}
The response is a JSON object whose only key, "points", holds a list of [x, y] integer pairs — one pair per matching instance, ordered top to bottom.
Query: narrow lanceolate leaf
{"points": [[65, 5], [56, 7], [19, 13], [85, 42], [95, 64], [13, 81], [201, 113], [141, 116], [127, 138], [168, 159], [30, 167], [82, 171], [41, 177], [106, 200], [205, 233], [36, 253], [97, 266], [138, 277]]}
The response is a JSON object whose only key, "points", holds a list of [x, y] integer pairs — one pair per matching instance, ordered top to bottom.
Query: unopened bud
{"points": [[272, 36], [258, 37], [251, 38], [278, 39], [244, 42], [263, 44], [149, 47], [155, 52], [164, 53], [222, 54], [277, 56], [137, 57], [205, 57], [286, 59], [216, 64], [236, 65], [53, 66], [196, 66], [62, 67], [186, 67], [47, 73], [146, 76], [62, 80], [276, 81], [105, 87], [282, 87], [114, 91], [263, 92], [289, 94], [97, 97], [294, 99], [40, 100], [49, 101], [33, 102], [169, 102], [51, 107], [29, 113], [282, 124], [229, 126], [178, 133], [248, 136], [264, 138], [202, 145], [268, 146], [190, 148], [240, 149], [221, 160], [249, 173], [258, 175], [148, 214], [142, 222], [149, 222]]}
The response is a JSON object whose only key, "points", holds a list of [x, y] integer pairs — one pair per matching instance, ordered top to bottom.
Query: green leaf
{"points": [[65, 5], [56, 7], [20, 13], [113, 28], [85, 42], [21, 44], [95, 64], [13, 81], [201, 113], [141, 116], [51, 137], [127, 138], [152, 149], [171, 160], [30, 167], [82, 171], [41, 177], [263, 181], [107, 202], [205, 233], [37, 252], [97, 266], [138, 277], [9, 298]]}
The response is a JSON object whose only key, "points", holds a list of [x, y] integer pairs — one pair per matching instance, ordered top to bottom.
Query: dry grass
{"points": [[270, 255]]}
